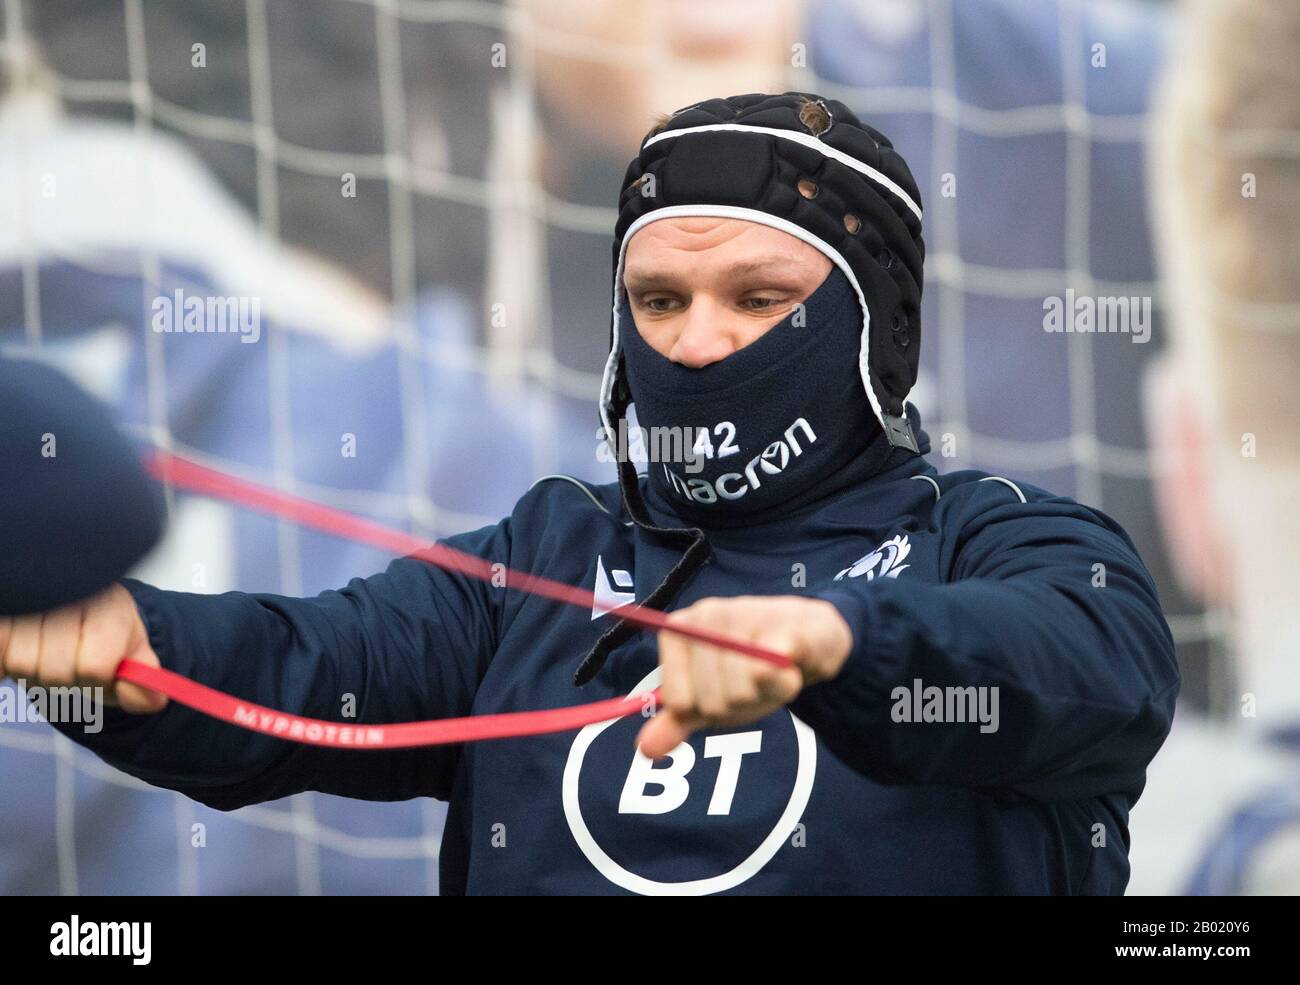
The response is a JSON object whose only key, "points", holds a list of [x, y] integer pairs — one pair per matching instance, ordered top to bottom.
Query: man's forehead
{"points": [[702, 231], [670, 248], [676, 266]]}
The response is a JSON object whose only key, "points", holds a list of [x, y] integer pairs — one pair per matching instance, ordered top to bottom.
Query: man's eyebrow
{"points": [[774, 263], [655, 277], [634, 279]]}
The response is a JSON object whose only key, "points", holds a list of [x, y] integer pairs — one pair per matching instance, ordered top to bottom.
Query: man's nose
{"points": [[706, 337]]}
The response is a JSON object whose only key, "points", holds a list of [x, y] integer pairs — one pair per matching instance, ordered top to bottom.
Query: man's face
{"points": [[700, 288]]}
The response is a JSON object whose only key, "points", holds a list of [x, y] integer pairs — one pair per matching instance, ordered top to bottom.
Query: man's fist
{"points": [[80, 645], [705, 686]]}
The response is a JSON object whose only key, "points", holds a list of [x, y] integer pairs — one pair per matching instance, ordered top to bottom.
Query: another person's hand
{"points": [[80, 645], [704, 686]]}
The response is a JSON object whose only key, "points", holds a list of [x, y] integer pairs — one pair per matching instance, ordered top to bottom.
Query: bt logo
{"points": [[674, 788], [660, 789]]}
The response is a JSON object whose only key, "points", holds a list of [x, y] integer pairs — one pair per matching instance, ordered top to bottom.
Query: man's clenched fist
{"points": [[80, 645], [706, 686]]}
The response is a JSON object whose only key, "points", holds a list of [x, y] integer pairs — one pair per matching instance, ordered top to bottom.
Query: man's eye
{"points": [[761, 304], [658, 305]]}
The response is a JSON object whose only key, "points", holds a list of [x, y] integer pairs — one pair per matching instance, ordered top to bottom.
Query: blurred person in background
{"points": [[604, 71], [320, 79], [351, 390], [1221, 813]]}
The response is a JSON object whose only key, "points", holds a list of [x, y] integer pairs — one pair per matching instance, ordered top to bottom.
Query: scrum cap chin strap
{"points": [[696, 553]]}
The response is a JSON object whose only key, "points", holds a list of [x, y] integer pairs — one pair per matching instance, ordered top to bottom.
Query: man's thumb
{"points": [[132, 697], [662, 734]]}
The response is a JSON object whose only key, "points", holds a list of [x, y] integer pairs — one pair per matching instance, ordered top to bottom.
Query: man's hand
{"points": [[80, 645], [707, 686]]}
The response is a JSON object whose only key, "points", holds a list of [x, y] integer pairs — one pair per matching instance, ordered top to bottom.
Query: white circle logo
{"points": [[615, 873]]}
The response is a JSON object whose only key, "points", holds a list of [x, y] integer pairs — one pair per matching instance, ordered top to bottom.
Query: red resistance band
{"points": [[183, 473]]}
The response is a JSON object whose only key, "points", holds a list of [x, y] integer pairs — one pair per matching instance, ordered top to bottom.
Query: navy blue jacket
{"points": [[954, 581]]}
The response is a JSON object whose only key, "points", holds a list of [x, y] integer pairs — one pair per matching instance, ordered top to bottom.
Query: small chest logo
{"points": [[886, 561], [607, 596]]}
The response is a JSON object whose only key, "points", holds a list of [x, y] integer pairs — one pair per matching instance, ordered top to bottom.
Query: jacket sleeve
{"points": [[1049, 603], [409, 644]]}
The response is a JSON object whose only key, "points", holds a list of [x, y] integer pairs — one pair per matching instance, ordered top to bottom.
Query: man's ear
{"points": [[1183, 486]]}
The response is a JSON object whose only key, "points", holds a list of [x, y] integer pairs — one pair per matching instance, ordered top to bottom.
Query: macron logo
{"points": [[609, 598], [75, 939]]}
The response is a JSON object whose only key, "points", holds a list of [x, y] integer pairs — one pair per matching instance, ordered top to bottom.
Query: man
{"points": [[981, 670], [1221, 814]]}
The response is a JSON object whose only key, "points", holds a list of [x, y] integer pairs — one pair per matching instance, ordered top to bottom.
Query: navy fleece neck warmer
{"points": [[784, 421]]}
